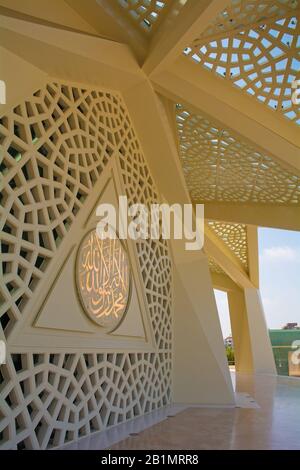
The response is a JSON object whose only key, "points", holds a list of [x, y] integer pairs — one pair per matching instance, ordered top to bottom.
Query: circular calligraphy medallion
{"points": [[103, 279]]}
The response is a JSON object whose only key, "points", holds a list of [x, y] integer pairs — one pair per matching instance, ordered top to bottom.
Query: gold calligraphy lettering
{"points": [[103, 279]]}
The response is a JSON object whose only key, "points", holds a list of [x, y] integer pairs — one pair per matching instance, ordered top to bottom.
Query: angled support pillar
{"points": [[240, 331], [252, 347], [262, 354], [200, 374]]}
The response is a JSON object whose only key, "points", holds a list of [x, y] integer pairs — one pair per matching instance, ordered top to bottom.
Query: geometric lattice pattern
{"points": [[144, 13], [241, 13], [262, 59], [55, 145], [52, 158], [220, 166], [235, 237], [214, 267], [50, 399]]}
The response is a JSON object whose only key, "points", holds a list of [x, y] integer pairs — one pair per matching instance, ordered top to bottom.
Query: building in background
{"points": [[291, 326], [228, 342], [282, 344]]}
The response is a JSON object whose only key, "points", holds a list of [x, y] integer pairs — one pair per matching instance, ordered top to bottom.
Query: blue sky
{"points": [[279, 263]]}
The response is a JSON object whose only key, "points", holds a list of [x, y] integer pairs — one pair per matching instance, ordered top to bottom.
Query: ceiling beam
{"points": [[54, 11], [109, 19], [173, 36], [102, 50], [69, 55], [16, 90], [202, 92], [152, 124], [262, 215], [252, 243], [225, 258], [222, 282]]}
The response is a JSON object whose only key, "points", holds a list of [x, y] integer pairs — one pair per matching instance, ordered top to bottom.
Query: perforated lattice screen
{"points": [[145, 14], [256, 47], [55, 146], [220, 166], [235, 237]]}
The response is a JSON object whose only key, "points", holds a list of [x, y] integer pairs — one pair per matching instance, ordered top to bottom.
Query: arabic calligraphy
{"points": [[103, 279]]}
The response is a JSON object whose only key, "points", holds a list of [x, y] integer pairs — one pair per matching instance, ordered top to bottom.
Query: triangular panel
{"points": [[61, 318]]}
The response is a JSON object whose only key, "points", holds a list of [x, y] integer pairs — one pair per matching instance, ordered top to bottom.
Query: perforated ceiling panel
{"points": [[241, 13], [146, 14], [262, 59], [55, 146], [220, 166], [235, 237], [214, 267]]}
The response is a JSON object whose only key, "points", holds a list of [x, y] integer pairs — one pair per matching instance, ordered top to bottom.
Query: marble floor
{"points": [[267, 416]]}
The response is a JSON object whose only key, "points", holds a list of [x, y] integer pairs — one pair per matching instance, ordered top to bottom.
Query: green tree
{"points": [[230, 354]]}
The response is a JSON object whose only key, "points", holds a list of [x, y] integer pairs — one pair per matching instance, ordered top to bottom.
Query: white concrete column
{"points": [[240, 331], [252, 346], [262, 354], [201, 374]]}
